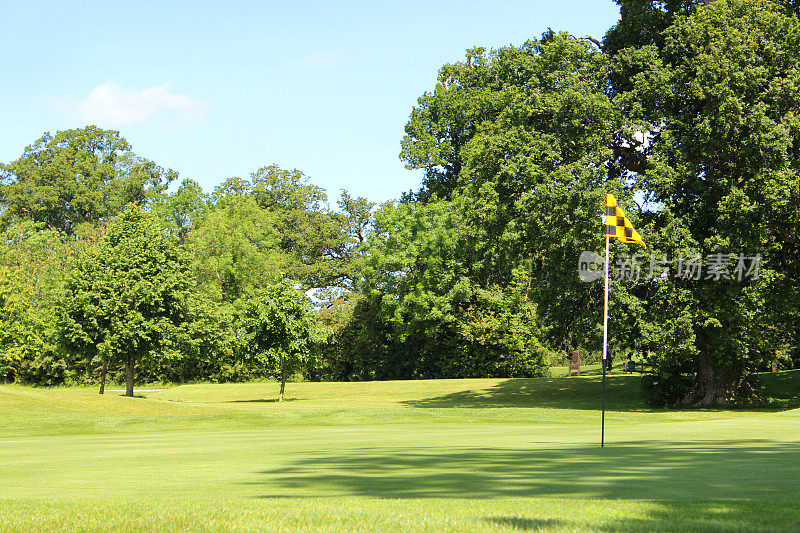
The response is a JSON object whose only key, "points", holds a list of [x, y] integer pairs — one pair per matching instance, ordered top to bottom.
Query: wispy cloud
{"points": [[318, 61], [114, 105]]}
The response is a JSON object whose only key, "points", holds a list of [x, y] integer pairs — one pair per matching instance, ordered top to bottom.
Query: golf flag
{"points": [[618, 225]]}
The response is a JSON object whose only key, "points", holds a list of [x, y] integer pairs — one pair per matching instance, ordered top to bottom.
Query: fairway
{"points": [[480, 454]]}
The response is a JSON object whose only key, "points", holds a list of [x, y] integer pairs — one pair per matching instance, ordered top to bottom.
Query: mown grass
{"points": [[439, 455]]}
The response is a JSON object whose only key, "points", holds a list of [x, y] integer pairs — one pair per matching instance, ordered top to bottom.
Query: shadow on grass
{"points": [[586, 370], [782, 389], [622, 394], [264, 400], [677, 470], [727, 485], [710, 516], [714, 516], [525, 524]]}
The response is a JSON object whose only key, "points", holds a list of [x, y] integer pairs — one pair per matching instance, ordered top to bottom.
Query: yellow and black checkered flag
{"points": [[618, 225]]}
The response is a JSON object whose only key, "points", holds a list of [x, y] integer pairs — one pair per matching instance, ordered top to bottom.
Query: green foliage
{"points": [[643, 21], [718, 99], [690, 107], [500, 113], [687, 114], [527, 174], [78, 176], [182, 210], [354, 222], [277, 225], [247, 235], [309, 236], [235, 248], [33, 266], [127, 301], [423, 313], [276, 330], [339, 346], [29, 354], [665, 389]]}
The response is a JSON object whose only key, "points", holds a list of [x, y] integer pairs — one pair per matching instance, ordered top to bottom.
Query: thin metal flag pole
{"points": [[605, 349]]}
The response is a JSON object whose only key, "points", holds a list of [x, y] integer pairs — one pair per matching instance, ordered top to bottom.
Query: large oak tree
{"points": [[689, 106], [77, 176]]}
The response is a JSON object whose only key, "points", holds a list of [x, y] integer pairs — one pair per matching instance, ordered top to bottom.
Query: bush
{"points": [[663, 388]]}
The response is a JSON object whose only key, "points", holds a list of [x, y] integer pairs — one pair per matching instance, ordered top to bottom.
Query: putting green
{"points": [[427, 455]]}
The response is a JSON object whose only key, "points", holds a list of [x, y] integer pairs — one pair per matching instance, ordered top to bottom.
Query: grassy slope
{"points": [[435, 455]]}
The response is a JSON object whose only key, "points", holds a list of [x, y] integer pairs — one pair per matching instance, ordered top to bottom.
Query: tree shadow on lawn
{"points": [[586, 370], [781, 388], [622, 394], [265, 400], [676, 470], [730, 484], [710, 515], [525, 524]]}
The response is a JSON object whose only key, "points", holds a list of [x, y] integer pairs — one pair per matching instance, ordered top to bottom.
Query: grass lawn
{"points": [[438, 455]]}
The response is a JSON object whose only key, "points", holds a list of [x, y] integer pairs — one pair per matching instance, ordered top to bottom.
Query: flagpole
{"points": [[605, 349]]}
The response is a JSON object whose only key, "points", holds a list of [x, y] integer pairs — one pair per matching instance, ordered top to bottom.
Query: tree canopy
{"points": [[687, 108], [685, 111], [78, 176], [128, 299], [277, 330]]}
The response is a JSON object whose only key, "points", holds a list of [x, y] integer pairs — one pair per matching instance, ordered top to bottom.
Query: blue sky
{"points": [[219, 89]]}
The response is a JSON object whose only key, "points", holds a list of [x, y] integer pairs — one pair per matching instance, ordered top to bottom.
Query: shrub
{"points": [[663, 388]]}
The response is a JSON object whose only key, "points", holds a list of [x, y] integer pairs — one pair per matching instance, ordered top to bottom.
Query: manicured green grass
{"points": [[439, 455]]}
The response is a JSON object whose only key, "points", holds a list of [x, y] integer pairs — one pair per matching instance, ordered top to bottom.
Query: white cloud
{"points": [[318, 61], [111, 104]]}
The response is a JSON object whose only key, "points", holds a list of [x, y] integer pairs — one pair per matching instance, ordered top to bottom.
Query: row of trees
{"points": [[686, 111], [128, 278], [80, 298]]}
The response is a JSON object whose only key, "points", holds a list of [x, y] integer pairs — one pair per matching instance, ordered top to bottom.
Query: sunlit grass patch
{"points": [[439, 455]]}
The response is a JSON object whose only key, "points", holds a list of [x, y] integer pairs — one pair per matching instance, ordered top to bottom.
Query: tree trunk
{"points": [[103, 372], [129, 377], [283, 381], [706, 385], [710, 386]]}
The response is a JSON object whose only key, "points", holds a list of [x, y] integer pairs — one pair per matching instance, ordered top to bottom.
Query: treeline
{"points": [[686, 112], [103, 270]]}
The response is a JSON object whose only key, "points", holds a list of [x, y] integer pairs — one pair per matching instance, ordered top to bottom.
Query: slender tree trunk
{"points": [[103, 372], [129, 377], [283, 381]]}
